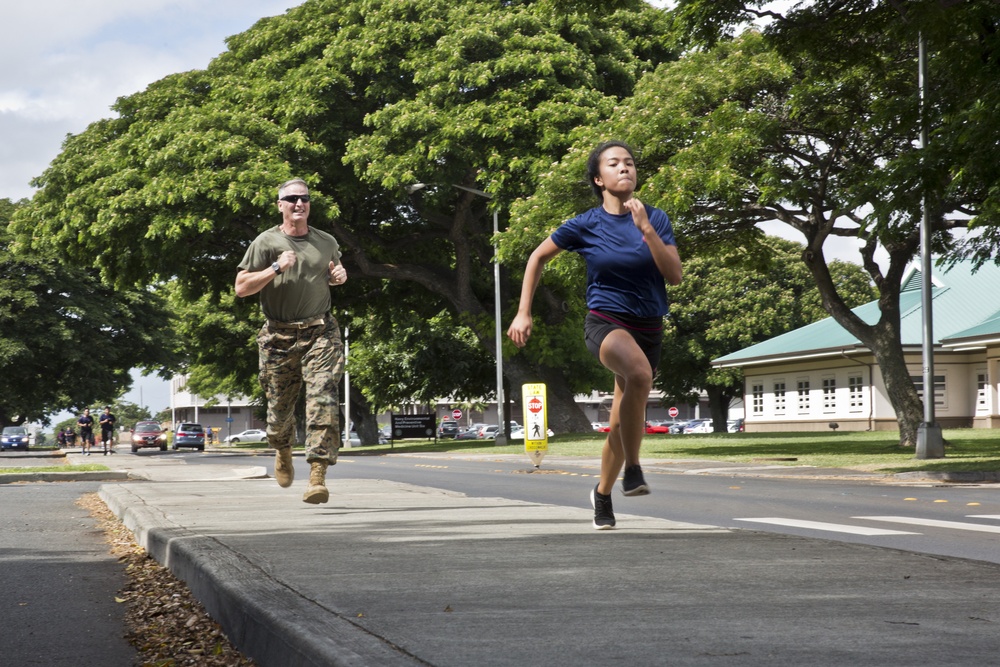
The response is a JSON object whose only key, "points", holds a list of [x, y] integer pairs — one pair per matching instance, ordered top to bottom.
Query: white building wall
{"points": [[818, 393]]}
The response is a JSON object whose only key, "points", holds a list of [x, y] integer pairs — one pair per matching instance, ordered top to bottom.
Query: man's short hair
{"points": [[281, 188]]}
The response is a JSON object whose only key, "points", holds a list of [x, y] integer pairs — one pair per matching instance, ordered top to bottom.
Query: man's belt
{"points": [[301, 324]]}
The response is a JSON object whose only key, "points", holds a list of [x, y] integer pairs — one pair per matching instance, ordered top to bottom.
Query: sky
{"points": [[67, 61]]}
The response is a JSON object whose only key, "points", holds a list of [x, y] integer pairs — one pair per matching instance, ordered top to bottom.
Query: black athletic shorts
{"points": [[647, 332]]}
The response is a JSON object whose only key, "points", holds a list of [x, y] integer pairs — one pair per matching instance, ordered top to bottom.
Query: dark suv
{"points": [[448, 429], [148, 434], [189, 435], [14, 437]]}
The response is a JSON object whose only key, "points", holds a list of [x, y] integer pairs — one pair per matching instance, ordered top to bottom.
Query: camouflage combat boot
{"points": [[284, 472], [316, 492]]}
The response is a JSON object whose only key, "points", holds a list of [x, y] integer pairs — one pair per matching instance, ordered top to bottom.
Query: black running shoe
{"points": [[633, 483], [604, 515]]}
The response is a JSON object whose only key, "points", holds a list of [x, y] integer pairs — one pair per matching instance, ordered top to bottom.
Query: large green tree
{"points": [[362, 98], [815, 124], [730, 301], [66, 339]]}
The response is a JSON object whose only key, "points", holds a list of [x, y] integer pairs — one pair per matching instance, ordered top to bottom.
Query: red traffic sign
{"points": [[535, 405], [673, 412], [456, 414]]}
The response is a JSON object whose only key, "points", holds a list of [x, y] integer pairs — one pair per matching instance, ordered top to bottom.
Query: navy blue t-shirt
{"points": [[621, 274]]}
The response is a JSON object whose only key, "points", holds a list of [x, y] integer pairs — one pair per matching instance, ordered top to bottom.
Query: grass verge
{"points": [[965, 449], [87, 467]]}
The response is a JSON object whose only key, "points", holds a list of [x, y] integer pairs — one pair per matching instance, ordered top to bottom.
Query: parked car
{"points": [[735, 425], [679, 426], [699, 426], [600, 427], [657, 427], [448, 429], [488, 432], [148, 434], [468, 434], [189, 435], [251, 435], [14, 437]]}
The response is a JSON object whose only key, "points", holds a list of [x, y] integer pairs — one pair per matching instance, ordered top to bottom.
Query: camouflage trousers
{"points": [[290, 358]]}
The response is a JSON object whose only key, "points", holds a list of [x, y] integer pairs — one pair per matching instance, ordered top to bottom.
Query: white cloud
{"points": [[73, 58]]}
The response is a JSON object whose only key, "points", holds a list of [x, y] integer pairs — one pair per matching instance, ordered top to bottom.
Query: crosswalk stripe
{"points": [[934, 523], [819, 525]]}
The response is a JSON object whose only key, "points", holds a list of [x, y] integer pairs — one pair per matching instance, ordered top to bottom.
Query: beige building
{"points": [[820, 374]]}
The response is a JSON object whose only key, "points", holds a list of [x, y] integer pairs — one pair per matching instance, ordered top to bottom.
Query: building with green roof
{"points": [[820, 374]]}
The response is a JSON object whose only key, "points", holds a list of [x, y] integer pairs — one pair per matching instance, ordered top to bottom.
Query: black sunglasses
{"points": [[293, 199]]}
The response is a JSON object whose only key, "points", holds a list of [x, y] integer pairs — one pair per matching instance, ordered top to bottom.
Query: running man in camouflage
{"points": [[292, 267]]}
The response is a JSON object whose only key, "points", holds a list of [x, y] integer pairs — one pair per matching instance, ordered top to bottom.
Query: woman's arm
{"points": [[667, 259], [520, 329]]}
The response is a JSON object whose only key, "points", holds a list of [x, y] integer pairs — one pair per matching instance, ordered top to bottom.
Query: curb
{"points": [[952, 477], [266, 619]]}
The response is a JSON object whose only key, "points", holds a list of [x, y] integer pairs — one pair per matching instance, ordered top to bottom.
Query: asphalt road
{"points": [[962, 521], [58, 581]]}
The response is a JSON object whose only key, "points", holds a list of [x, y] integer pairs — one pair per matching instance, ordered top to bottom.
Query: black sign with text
{"points": [[413, 426]]}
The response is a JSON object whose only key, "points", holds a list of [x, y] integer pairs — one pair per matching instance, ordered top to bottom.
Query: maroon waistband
{"points": [[630, 321]]}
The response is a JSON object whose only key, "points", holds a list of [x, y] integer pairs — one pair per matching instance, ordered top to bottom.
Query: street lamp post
{"points": [[504, 431], [930, 444]]}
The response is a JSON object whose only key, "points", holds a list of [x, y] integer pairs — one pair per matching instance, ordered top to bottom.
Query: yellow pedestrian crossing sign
{"points": [[536, 423]]}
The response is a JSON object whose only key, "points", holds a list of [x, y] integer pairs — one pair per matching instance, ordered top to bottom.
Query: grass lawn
{"points": [[965, 449], [87, 467]]}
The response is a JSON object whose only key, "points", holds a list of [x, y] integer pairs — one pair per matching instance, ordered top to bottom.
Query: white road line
{"points": [[983, 516], [934, 523], [832, 527]]}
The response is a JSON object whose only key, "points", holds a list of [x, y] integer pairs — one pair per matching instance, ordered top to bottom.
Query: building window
{"points": [[802, 388], [981, 388], [855, 393], [757, 394], [829, 394], [779, 397], [940, 397]]}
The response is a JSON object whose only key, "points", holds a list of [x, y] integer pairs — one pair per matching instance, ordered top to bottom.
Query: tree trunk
{"points": [[882, 338], [899, 385], [718, 408], [564, 415], [365, 423]]}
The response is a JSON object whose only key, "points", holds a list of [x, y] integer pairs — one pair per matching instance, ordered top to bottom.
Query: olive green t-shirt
{"points": [[302, 291]]}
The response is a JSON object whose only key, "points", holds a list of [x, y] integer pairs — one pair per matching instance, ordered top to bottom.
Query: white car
{"points": [[700, 426], [253, 435]]}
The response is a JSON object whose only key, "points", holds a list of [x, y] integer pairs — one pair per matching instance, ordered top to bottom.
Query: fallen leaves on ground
{"points": [[165, 623]]}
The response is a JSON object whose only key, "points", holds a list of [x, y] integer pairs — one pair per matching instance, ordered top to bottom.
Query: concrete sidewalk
{"points": [[395, 574]]}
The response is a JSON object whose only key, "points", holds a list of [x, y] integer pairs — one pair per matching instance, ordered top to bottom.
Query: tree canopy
{"points": [[366, 98], [362, 99], [821, 135], [66, 339]]}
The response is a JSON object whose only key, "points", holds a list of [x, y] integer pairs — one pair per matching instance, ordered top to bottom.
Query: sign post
{"points": [[536, 423]]}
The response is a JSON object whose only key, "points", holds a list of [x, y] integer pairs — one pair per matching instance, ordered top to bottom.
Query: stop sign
{"points": [[673, 412], [456, 414]]}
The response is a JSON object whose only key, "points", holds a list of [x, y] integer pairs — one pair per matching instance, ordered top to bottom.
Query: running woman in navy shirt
{"points": [[630, 253]]}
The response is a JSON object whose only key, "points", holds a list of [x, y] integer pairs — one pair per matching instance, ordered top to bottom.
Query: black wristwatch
{"points": [[276, 267]]}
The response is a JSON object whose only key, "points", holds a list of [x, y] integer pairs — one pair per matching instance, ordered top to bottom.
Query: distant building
{"points": [[805, 379], [225, 417]]}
